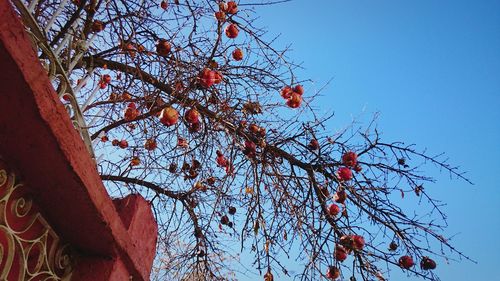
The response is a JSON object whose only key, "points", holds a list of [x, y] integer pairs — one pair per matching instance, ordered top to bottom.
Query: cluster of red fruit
{"points": [[230, 8], [131, 49], [209, 77], [104, 82], [125, 96], [293, 96], [131, 112], [169, 116], [255, 129], [120, 143], [349, 160], [347, 244], [426, 263]]}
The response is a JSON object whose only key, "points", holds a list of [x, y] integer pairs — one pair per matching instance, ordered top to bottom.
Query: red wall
{"points": [[38, 141]]}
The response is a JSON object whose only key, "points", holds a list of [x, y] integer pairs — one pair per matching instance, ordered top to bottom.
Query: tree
{"points": [[186, 103]]}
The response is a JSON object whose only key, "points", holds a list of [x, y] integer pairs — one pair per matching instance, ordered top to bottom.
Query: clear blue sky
{"points": [[432, 69]]}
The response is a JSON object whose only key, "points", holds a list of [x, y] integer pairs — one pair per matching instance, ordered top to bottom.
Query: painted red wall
{"points": [[38, 140]]}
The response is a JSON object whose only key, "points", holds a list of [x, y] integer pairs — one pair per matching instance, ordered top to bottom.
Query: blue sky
{"points": [[432, 70]]}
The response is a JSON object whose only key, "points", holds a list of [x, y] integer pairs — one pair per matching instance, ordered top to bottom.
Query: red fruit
{"points": [[164, 5], [223, 6], [232, 7], [220, 16], [97, 26], [232, 31], [140, 48], [163, 48], [130, 49], [237, 54], [218, 77], [106, 78], [207, 78], [103, 85], [299, 89], [286, 92], [126, 96], [294, 101], [131, 112], [169, 116], [192, 116], [194, 127], [254, 128], [262, 132], [115, 142], [182, 142], [123, 144], [150, 144], [313, 144], [250, 145], [250, 149], [350, 159], [135, 161], [221, 161], [357, 168], [344, 174], [211, 180], [340, 196], [333, 210], [224, 220], [347, 242], [358, 242], [393, 246], [340, 253], [406, 262], [427, 263], [332, 273], [268, 276]]}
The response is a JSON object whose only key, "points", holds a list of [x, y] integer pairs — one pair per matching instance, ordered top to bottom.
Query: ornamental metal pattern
{"points": [[60, 52], [29, 248]]}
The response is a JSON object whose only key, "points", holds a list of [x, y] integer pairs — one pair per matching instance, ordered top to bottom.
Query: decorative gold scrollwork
{"points": [[29, 248]]}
